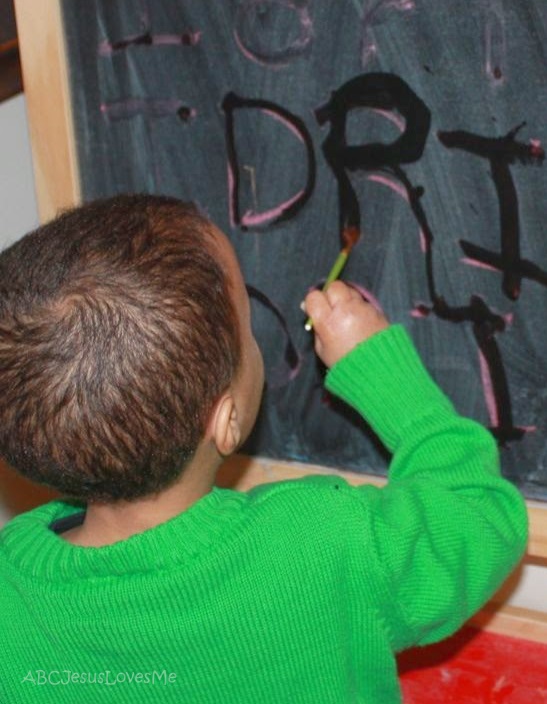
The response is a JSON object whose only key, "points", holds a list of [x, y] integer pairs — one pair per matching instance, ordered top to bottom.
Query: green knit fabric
{"points": [[298, 592]]}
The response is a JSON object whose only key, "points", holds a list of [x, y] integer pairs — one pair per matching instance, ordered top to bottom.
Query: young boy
{"points": [[128, 371]]}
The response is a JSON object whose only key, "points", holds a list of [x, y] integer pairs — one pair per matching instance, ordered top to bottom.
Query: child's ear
{"points": [[224, 428]]}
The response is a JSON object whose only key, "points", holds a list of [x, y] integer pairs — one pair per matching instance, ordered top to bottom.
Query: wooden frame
{"points": [[45, 79], [57, 184]]}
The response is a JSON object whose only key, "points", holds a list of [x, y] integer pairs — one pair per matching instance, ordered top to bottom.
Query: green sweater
{"points": [[298, 592]]}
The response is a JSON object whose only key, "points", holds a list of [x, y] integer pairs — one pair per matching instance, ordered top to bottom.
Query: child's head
{"points": [[121, 324]]}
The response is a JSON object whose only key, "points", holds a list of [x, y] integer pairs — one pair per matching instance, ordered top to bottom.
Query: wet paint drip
{"points": [[495, 43]]}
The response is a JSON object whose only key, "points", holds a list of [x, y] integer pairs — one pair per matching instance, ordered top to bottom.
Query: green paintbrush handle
{"points": [[336, 268], [333, 275]]}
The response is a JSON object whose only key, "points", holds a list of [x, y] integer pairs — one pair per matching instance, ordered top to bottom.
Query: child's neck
{"points": [[105, 524]]}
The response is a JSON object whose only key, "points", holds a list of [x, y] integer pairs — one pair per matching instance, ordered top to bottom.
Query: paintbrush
{"points": [[350, 236]]}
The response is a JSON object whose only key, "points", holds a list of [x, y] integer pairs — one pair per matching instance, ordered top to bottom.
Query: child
{"points": [[128, 371]]}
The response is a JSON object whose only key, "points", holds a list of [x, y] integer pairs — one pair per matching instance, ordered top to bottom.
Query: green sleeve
{"points": [[447, 529]]}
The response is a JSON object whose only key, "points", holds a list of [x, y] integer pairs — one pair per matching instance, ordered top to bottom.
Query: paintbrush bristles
{"points": [[351, 236]]}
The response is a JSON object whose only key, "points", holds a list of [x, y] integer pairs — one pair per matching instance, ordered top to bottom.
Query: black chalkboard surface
{"points": [[419, 122]]}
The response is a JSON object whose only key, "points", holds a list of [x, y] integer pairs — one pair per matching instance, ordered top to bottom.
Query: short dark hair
{"points": [[117, 336]]}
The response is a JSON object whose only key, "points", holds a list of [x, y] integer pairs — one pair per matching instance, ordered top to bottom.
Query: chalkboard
{"points": [[419, 122]]}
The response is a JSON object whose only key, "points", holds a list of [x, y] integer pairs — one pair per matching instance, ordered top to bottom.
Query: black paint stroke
{"points": [[258, 8], [147, 39], [382, 91], [389, 92], [233, 102], [501, 153], [524, 268], [486, 324], [291, 356]]}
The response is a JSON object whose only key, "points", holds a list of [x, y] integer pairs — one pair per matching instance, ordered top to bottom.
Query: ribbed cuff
{"points": [[384, 379]]}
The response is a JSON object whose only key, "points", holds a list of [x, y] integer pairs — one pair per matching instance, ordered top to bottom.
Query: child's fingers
{"points": [[338, 292], [317, 305], [341, 320]]}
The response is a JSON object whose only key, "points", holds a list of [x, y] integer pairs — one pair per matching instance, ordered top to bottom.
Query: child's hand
{"points": [[341, 320]]}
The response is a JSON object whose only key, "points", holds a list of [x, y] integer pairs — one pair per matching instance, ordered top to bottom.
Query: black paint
{"points": [[302, 60], [373, 90], [233, 102], [501, 153]]}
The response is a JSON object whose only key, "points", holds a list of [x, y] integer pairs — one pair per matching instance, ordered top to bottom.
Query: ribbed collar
{"points": [[30, 546]]}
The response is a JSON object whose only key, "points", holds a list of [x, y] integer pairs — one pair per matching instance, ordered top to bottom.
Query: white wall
{"points": [[18, 208], [19, 214]]}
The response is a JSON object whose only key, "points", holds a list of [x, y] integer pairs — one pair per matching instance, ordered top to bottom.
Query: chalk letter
{"points": [[287, 209]]}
